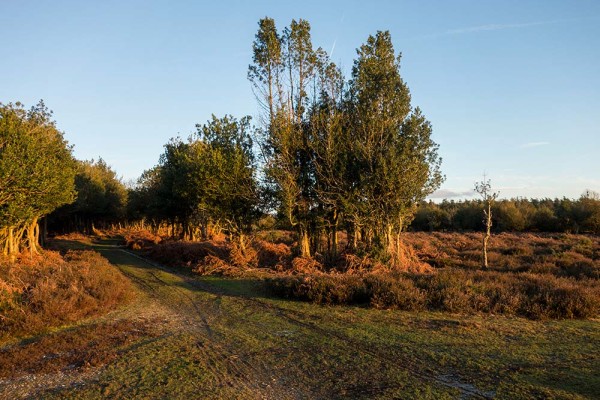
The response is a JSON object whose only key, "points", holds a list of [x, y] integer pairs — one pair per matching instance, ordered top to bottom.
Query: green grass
{"points": [[229, 339]]}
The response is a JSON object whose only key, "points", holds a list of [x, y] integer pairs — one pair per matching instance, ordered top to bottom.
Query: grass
{"points": [[225, 338]]}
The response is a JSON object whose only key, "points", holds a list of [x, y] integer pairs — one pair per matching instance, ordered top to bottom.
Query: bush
{"points": [[49, 290], [452, 290], [400, 293]]}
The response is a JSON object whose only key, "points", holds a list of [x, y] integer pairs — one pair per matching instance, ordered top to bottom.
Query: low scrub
{"points": [[137, 239], [561, 255], [220, 257], [536, 276], [454, 290], [40, 292]]}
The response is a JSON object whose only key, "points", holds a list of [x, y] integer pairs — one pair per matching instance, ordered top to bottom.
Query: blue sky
{"points": [[512, 88]]}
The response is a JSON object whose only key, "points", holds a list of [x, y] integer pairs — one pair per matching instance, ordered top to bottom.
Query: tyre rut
{"points": [[299, 319]]}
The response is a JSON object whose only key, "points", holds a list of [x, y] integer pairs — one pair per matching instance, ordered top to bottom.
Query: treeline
{"points": [[101, 200], [515, 215]]}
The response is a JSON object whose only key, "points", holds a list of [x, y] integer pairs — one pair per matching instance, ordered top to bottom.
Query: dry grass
{"points": [[73, 236], [138, 239], [536, 276], [453, 290], [39, 292]]}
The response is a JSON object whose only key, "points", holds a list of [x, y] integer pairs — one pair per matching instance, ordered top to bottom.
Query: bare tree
{"points": [[484, 188]]}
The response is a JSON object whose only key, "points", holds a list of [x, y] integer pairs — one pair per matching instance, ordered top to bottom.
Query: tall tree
{"points": [[284, 65], [329, 144], [396, 163]]}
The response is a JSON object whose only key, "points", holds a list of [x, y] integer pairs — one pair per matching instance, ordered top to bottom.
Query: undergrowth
{"points": [[535, 276], [48, 290], [458, 291]]}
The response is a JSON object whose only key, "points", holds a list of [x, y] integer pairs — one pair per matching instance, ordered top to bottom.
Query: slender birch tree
{"points": [[484, 188]]}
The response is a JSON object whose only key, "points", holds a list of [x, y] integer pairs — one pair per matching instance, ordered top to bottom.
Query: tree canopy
{"points": [[37, 173], [205, 183]]}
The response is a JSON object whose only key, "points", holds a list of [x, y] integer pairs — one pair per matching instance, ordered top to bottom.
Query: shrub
{"points": [[273, 255], [452, 290], [40, 292], [386, 292]]}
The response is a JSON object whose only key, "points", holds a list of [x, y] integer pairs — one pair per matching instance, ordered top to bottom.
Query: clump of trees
{"points": [[335, 153], [340, 154], [37, 173], [203, 185], [101, 200], [513, 215]]}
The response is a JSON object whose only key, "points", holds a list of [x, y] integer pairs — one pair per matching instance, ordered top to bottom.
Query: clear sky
{"points": [[512, 88]]}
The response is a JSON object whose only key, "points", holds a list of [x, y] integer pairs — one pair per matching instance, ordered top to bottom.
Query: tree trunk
{"points": [[333, 234], [356, 237], [486, 237], [304, 243]]}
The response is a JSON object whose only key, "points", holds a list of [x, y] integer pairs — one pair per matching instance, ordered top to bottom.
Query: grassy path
{"points": [[189, 337]]}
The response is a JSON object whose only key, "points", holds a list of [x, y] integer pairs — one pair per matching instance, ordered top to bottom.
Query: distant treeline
{"points": [[515, 215]]}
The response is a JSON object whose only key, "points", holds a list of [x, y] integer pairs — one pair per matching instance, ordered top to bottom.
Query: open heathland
{"points": [[536, 276], [187, 336]]}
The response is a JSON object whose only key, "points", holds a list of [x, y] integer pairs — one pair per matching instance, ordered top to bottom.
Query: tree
{"points": [[284, 65], [329, 145], [396, 164], [36, 174], [202, 183], [484, 188], [236, 195], [101, 199], [589, 205], [508, 216]]}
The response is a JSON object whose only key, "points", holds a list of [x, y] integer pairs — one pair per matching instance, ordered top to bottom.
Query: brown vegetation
{"points": [[140, 238], [562, 255], [221, 257], [536, 276], [453, 290], [39, 292], [76, 349]]}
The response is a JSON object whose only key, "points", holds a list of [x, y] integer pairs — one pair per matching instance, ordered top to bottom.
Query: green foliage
{"points": [[352, 153], [36, 170], [204, 182], [101, 200], [515, 215]]}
